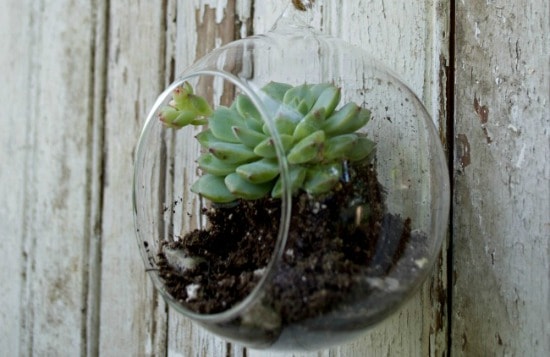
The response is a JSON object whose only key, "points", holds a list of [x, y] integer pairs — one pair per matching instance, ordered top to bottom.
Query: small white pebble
{"points": [[316, 207], [179, 261], [421, 262], [259, 272], [388, 284], [192, 291]]}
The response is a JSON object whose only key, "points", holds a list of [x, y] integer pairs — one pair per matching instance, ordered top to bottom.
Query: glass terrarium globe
{"points": [[301, 269]]}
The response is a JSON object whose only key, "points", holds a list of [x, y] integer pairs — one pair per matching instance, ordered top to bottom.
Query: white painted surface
{"points": [[78, 79], [501, 293]]}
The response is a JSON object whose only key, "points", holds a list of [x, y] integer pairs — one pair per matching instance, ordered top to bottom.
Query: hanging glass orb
{"points": [[289, 191]]}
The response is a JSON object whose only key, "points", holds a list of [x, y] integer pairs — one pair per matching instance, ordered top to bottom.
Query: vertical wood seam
{"points": [[169, 76], [161, 84], [450, 127], [95, 173], [28, 241]]}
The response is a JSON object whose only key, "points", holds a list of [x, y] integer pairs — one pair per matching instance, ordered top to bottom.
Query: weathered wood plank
{"points": [[200, 27], [416, 46], [50, 121], [14, 149], [94, 207], [62, 262], [501, 268], [133, 317]]}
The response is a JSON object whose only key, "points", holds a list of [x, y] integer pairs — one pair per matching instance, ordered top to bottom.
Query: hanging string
{"points": [[303, 5]]}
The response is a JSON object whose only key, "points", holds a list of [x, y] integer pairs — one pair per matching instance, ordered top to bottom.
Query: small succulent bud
{"points": [[181, 94], [185, 108], [174, 118], [240, 160]]}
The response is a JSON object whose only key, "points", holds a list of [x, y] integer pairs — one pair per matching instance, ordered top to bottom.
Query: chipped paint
{"points": [[218, 5], [482, 112], [463, 150], [521, 157]]}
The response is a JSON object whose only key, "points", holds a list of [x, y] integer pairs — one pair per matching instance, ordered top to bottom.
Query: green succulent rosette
{"points": [[239, 160]]}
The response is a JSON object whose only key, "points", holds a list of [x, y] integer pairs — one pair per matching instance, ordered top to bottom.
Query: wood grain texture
{"points": [[199, 27], [196, 28], [416, 47], [49, 68], [78, 78], [15, 147], [92, 274], [501, 291], [132, 315]]}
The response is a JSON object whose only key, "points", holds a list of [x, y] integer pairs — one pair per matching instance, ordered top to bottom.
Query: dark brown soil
{"points": [[325, 251]]}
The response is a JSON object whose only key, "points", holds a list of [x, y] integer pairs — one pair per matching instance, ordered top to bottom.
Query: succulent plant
{"points": [[240, 161]]}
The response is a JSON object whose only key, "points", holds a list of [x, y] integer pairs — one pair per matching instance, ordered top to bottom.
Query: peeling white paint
{"points": [[219, 5], [477, 31], [521, 156]]}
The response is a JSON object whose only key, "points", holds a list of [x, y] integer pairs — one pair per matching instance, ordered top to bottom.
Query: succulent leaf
{"points": [[317, 89], [276, 90], [180, 94], [296, 95], [185, 100], [327, 100], [199, 105], [303, 107], [185, 108], [247, 109], [173, 118], [347, 120], [339, 122], [221, 123], [283, 124], [310, 124], [247, 136], [206, 138], [340, 146], [267, 147], [308, 149], [363, 149], [232, 153], [212, 165], [260, 171], [297, 175], [320, 179], [213, 188], [244, 189]]}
